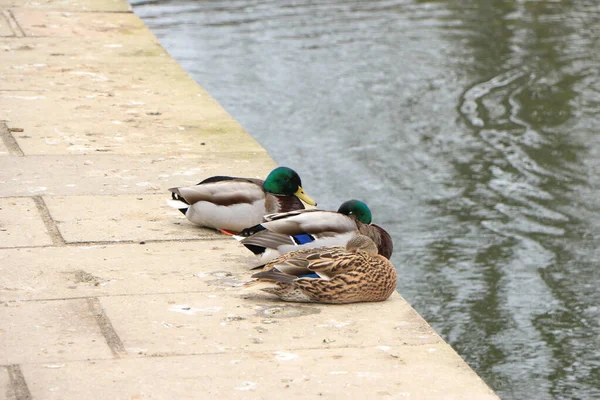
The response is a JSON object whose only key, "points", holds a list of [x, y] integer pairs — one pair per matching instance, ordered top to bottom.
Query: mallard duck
{"points": [[232, 204], [285, 232], [336, 274]]}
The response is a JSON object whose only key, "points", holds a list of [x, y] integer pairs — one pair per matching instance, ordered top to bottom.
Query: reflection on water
{"points": [[470, 128]]}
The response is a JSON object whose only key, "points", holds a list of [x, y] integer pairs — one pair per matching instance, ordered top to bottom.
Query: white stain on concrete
{"points": [[27, 66], [96, 77], [24, 97], [187, 172], [187, 310], [335, 324], [137, 350], [283, 356], [54, 366], [366, 374], [246, 386]]}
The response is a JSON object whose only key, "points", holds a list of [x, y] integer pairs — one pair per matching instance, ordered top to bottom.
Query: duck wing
{"points": [[221, 178], [223, 192], [283, 215], [313, 222], [298, 228], [326, 262]]}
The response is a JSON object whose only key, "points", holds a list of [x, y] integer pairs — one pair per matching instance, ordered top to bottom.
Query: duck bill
{"points": [[304, 197]]}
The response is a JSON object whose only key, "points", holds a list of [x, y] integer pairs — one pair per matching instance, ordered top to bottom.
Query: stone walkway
{"points": [[105, 292]]}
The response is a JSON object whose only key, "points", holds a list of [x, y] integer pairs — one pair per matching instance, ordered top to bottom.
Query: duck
{"points": [[231, 204], [285, 232], [330, 274]]}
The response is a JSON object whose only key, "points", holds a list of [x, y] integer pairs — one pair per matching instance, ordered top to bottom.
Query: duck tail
{"points": [[177, 200], [178, 204], [252, 230], [236, 237], [257, 250], [275, 276], [251, 283], [257, 284]]}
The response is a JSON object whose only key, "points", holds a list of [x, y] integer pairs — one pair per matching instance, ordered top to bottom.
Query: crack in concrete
{"points": [[14, 25], [9, 141], [51, 226], [108, 331], [247, 352], [20, 391]]}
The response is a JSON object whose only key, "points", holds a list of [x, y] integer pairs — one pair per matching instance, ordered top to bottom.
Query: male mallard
{"points": [[232, 204], [282, 233], [343, 275]]}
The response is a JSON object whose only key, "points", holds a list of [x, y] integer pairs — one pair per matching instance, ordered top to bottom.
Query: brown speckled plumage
{"points": [[352, 274]]}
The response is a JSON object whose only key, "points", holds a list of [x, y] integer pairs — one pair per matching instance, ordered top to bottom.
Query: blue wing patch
{"points": [[303, 238], [311, 275]]}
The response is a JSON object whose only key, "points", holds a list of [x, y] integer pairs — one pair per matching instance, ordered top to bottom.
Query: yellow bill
{"points": [[304, 197]]}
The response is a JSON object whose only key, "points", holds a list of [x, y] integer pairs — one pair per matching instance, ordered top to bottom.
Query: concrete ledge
{"points": [[69, 5], [107, 292], [339, 373]]}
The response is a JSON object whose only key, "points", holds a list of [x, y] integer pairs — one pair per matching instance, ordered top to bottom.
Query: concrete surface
{"points": [[105, 292]]}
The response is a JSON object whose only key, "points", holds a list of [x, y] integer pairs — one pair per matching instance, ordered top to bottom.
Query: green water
{"points": [[472, 130]]}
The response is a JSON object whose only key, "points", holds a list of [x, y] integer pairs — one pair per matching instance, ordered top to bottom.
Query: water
{"points": [[470, 128]]}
